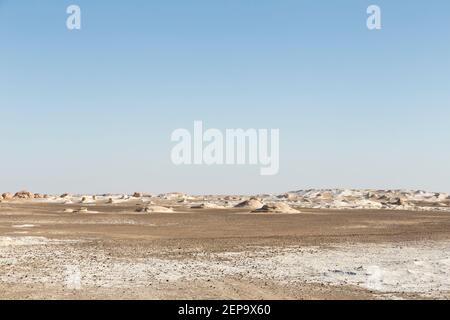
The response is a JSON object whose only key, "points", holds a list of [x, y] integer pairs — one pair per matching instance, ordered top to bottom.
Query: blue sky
{"points": [[92, 110]]}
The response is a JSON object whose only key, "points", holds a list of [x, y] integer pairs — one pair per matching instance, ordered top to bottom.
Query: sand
{"points": [[114, 252]]}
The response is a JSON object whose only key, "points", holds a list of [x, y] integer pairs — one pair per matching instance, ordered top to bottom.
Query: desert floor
{"points": [[221, 253]]}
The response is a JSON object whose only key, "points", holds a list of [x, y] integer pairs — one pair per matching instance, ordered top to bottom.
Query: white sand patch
{"points": [[23, 241], [27, 241], [422, 268]]}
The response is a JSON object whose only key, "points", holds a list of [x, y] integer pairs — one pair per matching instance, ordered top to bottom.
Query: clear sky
{"points": [[92, 111]]}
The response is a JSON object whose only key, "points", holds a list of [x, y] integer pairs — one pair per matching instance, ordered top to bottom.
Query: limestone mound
{"points": [[24, 195], [7, 196], [172, 196], [288, 196], [232, 198], [87, 199], [395, 201], [252, 203], [207, 206], [279, 207], [150, 209], [83, 210]]}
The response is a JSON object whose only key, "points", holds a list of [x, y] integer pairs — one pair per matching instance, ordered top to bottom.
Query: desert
{"points": [[305, 244]]}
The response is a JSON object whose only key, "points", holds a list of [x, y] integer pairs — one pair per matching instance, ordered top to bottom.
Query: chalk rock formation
{"points": [[24, 195], [7, 196], [173, 196], [288, 196], [87, 199], [252, 203], [207, 206], [278, 207], [149, 209], [84, 210]]}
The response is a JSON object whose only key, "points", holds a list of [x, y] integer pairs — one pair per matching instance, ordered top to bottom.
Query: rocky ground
{"points": [[316, 244]]}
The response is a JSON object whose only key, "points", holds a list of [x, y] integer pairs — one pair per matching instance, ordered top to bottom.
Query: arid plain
{"points": [[313, 244]]}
